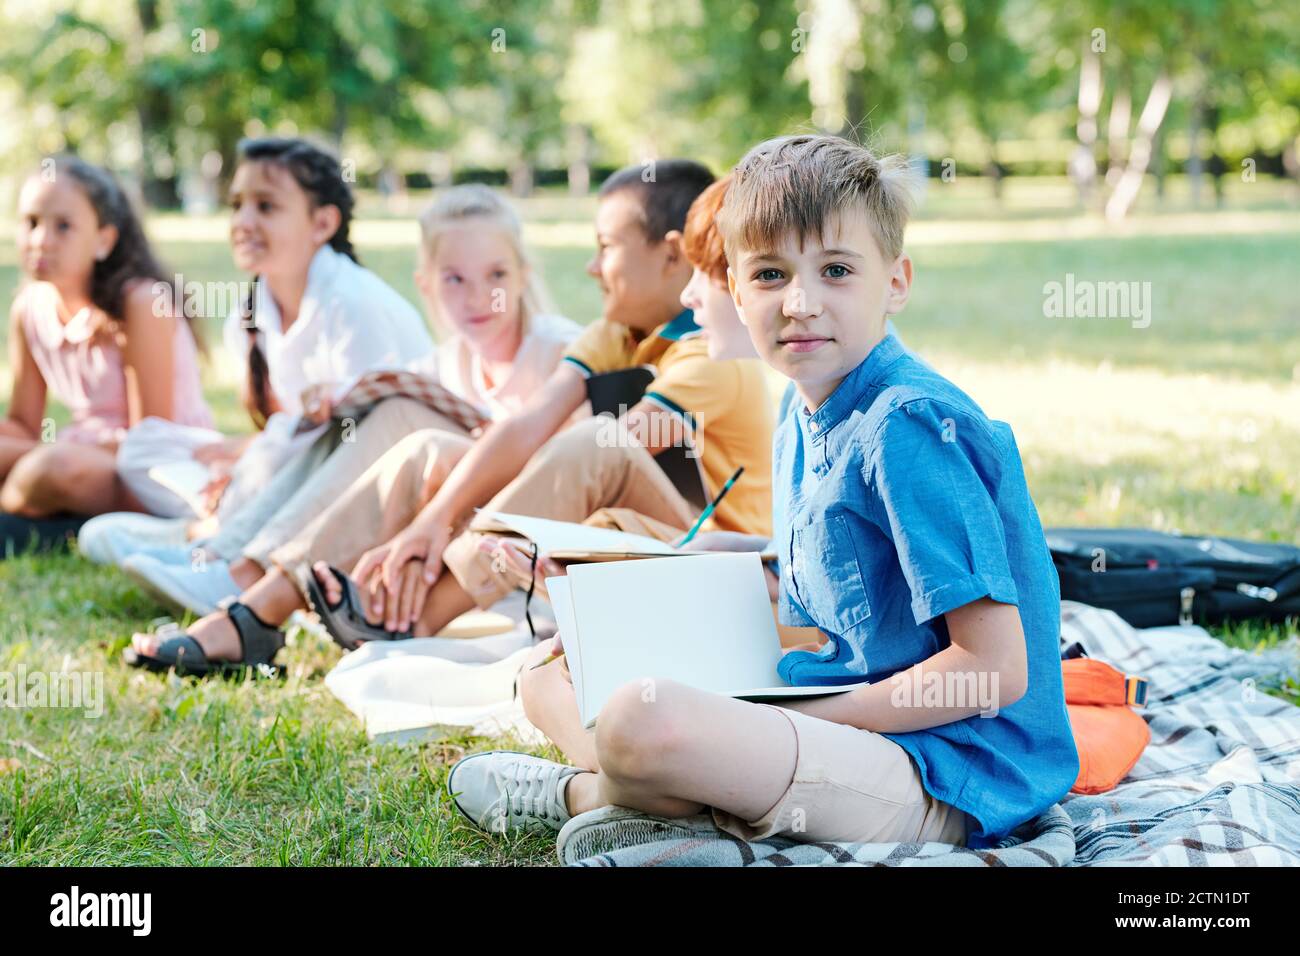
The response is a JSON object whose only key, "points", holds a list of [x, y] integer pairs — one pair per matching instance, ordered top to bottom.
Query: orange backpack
{"points": [[1109, 735]]}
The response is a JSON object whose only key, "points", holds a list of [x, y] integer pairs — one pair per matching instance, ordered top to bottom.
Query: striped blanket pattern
{"points": [[1219, 784]]}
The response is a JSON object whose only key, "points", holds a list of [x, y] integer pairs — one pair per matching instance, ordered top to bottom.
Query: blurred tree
{"points": [[198, 74], [700, 78], [168, 86]]}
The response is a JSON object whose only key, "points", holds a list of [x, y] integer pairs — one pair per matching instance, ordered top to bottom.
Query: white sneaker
{"points": [[112, 538], [182, 586], [502, 790], [607, 829]]}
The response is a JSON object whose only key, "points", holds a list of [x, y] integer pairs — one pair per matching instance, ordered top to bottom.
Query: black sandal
{"points": [[346, 621], [258, 641]]}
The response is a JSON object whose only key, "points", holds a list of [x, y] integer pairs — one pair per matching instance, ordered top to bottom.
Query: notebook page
{"points": [[551, 536], [562, 604], [706, 622]]}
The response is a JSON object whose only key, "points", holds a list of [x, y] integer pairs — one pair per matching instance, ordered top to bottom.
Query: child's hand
{"points": [[318, 403], [224, 452], [213, 491], [723, 541], [514, 559], [399, 574]]}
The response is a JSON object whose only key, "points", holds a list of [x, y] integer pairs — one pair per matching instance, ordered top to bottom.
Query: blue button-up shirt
{"points": [[896, 502]]}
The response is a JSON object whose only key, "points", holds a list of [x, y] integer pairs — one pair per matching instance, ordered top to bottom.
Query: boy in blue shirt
{"points": [[906, 534]]}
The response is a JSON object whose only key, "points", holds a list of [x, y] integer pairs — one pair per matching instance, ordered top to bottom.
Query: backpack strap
{"points": [[1091, 681], [1135, 691]]}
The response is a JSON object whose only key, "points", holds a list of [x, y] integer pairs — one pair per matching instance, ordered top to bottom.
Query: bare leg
{"points": [[11, 449], [54, 478], [246, 573], [273, 599], [447, 601], [215, 634], [551, 707], [671, 750]]}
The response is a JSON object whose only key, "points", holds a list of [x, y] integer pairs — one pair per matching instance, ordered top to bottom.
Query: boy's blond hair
{"points": [[803, 182], [476, 201]]}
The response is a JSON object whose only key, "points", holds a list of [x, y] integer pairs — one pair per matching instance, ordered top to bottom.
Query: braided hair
{"points": [[320, 176]]}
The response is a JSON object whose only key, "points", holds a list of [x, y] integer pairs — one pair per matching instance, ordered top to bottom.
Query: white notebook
{"points": [[186, 479], [565, 540], [706, 622]]}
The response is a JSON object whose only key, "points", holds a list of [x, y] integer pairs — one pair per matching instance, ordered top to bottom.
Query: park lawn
{"points": [[1190, 424]]}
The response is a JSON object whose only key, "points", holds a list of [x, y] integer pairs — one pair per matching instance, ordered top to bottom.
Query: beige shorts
{"points": [[851, 786]]}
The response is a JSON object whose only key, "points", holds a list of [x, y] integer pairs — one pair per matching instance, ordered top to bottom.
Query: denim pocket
{"points": [[828, 576]]}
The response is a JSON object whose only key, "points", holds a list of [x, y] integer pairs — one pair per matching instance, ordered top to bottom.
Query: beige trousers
{"points": [[329, 480], [380, 503], [851, 786]]}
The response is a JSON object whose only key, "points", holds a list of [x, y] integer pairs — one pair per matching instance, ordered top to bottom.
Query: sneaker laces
{"points": [[532, 789]]}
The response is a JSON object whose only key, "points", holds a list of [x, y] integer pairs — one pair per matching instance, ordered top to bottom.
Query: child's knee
{"points": [[397, 416], [406, 460], [44, 472], [640, 725]]}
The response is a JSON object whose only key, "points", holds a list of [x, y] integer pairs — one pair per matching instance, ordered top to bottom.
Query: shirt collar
{"points": [[320, 272], [682, 326], [848, 394]]}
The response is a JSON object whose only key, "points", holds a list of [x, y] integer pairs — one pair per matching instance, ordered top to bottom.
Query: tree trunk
{"points": [[1121, 109], [155, 112], [1153, 114], [340, 124], [579, 150], [1159, 163], [1083, 165], [1216, 166], [1195, 169], [521, 178]]}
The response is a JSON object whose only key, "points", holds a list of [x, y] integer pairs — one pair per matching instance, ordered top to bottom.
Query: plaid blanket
{"points": [[373, 387], [1219, 784]]}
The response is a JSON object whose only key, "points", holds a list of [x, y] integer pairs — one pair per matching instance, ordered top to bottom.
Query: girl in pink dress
{"points": [[96, 327]]}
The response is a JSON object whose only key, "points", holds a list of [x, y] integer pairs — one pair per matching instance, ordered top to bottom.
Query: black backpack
{"points": [[1150, 578]]}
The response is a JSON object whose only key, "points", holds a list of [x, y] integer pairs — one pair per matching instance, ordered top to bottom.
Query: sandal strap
{"points": [[351, 599], [260, 640], [182, 651]]}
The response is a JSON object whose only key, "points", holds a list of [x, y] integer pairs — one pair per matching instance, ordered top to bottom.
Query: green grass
{"points": [[1188, 424], [218, 772]]}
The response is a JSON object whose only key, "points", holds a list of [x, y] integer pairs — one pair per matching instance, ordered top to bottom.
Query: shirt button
{"points": [[812, 427]]}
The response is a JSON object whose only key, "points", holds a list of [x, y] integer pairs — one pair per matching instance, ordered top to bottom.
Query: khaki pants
{"points": [[317, 477], [570, 478], [341, 525], [851, 786]]}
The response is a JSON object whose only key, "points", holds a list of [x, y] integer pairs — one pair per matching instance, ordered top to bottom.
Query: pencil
{"points": [[704, 515], [549, 658]]}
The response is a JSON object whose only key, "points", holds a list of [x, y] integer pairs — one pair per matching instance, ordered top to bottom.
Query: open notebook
{"points": [[186, 479], [567, 541], [706, 622]]}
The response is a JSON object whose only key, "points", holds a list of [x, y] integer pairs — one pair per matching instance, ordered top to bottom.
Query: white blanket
{"points": [[403, 690]]}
